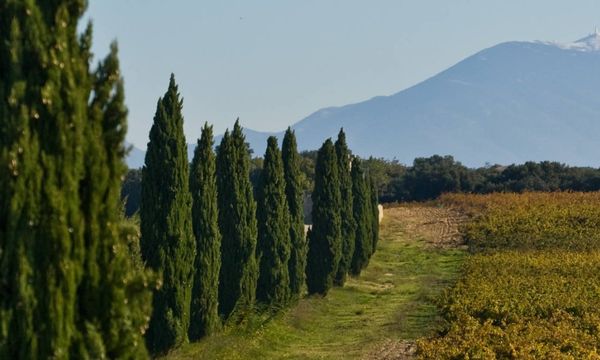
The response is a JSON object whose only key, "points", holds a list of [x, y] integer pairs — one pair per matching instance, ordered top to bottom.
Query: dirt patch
{"points": [[437, 226], [393, 350]]}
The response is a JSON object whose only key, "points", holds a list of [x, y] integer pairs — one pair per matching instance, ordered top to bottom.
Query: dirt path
{"points": [[438, 228], [378, 315]]}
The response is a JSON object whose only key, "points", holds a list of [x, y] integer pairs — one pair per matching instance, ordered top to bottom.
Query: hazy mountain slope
{"points": [[513, 102], [510, 103], [135, 157]]}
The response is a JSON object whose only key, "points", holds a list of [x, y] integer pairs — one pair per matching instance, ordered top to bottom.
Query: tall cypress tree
{"points": [[203, 186], [294, 196], [346, 211], [374, 214], [362, 215], [237, 222], [167, 241], [274, 244], [324, 244], [65, 273], [229, 275], [117, 314]]}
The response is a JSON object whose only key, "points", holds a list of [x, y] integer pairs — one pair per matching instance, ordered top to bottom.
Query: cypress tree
{"points": [[203, 186], [294, 196], [346, 211], [375, 214], [362, 215], [237, 222], [167, 242], [274, 244], [324, 244], [65, 273], [229, 276], [111, 289]]}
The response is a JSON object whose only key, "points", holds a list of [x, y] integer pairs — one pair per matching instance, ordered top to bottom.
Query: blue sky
{"points": [[273, 62]]}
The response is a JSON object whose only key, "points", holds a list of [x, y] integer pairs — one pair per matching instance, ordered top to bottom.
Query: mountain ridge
{"points": [[510, 103]]}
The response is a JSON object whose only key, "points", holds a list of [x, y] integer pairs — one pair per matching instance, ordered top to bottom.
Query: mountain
{"points": [[510, 103], [135, 157]]}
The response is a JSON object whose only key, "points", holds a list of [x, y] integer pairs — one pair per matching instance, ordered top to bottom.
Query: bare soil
{"points": [[437, 226]]}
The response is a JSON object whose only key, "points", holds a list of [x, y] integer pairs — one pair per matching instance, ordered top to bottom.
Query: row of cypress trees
{"points": [[345, 218], [216, 247], [220, 247], [72, 282]]}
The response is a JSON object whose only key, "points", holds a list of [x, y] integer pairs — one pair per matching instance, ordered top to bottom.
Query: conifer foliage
{"points": [[203, 186], [294, 196], [374, 213], [362, 215], [237, 222], [348, 224], [167, 242], [324, 243], [274, 244], [109, 262], [72, 276], [66, 277]]}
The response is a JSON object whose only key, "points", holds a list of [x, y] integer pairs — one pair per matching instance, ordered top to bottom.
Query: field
{"points": [[562, 220], [526, 285], [531, 288], [376, 316]]}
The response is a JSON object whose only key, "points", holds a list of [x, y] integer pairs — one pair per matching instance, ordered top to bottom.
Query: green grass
{"points": [[392, 299]]}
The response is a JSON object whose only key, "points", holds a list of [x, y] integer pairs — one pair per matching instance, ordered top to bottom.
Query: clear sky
{"points": [[273, 62]]}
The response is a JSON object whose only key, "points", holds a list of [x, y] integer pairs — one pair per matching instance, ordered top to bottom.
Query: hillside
{"points": [[513, 102], [510, 103]]}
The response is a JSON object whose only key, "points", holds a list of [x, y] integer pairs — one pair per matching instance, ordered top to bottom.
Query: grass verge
{"points": [[390, 303]]}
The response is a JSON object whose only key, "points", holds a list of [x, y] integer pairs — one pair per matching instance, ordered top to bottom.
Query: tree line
{"points": [[428, 178], [224, 248], [80, 280]]}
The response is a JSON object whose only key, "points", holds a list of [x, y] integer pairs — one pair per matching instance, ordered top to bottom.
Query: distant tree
{"points": [[308, 160], [256, 166], [389, 176], [530, 176], [430, 177], [581, 179], [131, 191], [295, 198], [361, 209], [346, 212], [205, 218], [237, 223], [167, 242], [274, 244], [324, 244], [65, 273]]}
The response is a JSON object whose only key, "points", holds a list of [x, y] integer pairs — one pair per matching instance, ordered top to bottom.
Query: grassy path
{"points": [[375, 316]]}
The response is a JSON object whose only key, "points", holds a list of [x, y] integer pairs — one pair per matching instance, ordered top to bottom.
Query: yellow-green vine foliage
{"points": [[564, 220], [531, 288]]}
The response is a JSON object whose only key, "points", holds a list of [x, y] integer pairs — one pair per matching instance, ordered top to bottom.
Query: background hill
{"points": [[510, 103]]}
